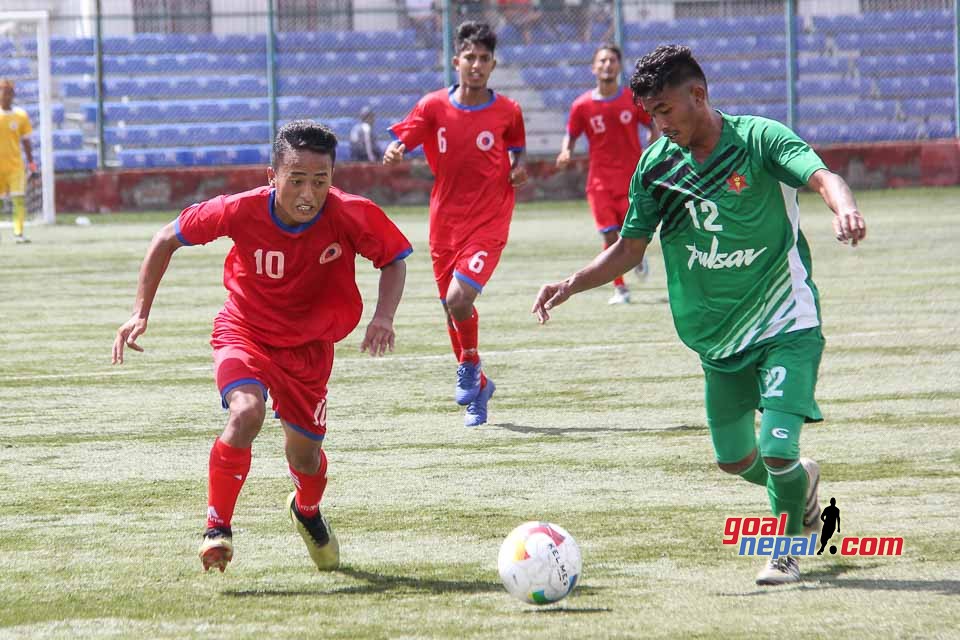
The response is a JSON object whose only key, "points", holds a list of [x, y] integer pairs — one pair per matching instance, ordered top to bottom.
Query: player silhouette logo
{"points": [[831, 520]]}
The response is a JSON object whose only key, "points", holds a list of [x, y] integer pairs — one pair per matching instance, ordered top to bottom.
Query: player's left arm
{"points": [[28, 152], [518, 168], [848, 223], [380, 335]]}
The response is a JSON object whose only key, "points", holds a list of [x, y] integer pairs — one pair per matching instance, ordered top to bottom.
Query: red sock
{"points": [[468, 331], [454, 339], [228, 469], [310, 487]]}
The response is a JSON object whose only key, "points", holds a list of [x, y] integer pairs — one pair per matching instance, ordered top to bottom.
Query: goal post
{"points": [[18, 28]]}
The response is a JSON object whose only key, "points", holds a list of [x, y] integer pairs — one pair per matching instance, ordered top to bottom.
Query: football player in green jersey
{"points": [[723, 192]]}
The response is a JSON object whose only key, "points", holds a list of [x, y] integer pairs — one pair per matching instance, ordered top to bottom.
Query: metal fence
{"points": [[160, 88]]}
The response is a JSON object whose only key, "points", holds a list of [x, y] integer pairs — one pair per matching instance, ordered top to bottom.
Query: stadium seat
{"points": [[884, 21], [323, 41], [911, 41], [179, 43], [412, 59], [184, 63], [927, 64], [821, 65], [742, 70], [915, 87], [829, 88], [749, 91], [925, 108], [846, 110], [774, 111], [57, 113], [63, 140], [74, 160]]}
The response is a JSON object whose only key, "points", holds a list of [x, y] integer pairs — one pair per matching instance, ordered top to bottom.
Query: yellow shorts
{"points": [[12, 182]]}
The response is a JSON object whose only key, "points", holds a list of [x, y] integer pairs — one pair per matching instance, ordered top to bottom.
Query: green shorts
{"points": [[780, 374]]}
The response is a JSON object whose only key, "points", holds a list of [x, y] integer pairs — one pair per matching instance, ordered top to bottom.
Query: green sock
{"points": [[756, 472], [787, 488]]}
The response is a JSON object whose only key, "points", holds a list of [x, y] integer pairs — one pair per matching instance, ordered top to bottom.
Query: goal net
{"points": [[25, 61]]}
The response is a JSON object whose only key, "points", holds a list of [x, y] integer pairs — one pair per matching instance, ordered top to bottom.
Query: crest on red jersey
{"points": [[737, 182], [331, 253]]}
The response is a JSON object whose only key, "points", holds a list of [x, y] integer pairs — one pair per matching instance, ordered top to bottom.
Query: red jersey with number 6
{"points": [[610, 125], [467, 150], [290, 285]]}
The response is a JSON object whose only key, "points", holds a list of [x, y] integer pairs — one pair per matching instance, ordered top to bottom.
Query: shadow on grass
{"points": [[519, 428], [832, 576], [376, 583], [383, 583], [565, 609]]}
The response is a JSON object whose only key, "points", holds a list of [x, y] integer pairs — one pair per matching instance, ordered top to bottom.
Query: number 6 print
{"points": [[476, 262]]}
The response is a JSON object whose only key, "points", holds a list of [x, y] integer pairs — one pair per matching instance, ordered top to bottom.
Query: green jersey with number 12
{"points": [[738, 267]]}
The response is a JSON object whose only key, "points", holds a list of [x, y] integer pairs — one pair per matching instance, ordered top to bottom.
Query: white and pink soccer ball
{"points": [[539, 563]]}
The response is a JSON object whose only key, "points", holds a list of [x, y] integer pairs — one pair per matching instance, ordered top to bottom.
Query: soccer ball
{"points": [[539, 563]]}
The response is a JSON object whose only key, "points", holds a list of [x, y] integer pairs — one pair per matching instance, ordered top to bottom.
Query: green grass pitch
{"points": [[597, 425]]}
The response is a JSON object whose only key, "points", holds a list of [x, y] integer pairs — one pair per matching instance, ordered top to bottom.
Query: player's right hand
{"points": [[394, 152], [563, 159], [32, 168], [550, 296], [127, 336]]}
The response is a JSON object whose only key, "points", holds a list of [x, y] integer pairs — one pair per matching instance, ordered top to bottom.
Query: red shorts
{"points": [[608, 209], [473, 263], [296, 377]]}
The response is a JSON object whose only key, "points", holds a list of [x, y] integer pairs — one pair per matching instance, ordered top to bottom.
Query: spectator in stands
{"points": [[597, 12], [520, 14], [424, 17], [15, 130], [363, 144]]}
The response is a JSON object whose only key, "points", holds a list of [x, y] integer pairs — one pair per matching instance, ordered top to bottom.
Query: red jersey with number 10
{"points": [[610, 125], [467, 150], [289, 285]]}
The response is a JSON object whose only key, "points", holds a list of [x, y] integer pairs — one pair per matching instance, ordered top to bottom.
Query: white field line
{"points": [[347, 362]]}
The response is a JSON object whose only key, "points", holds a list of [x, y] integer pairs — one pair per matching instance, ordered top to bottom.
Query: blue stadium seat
{"points": [[884, 21], [687, 28], [323, 41], [912, 41], [178, 43], [548, 54], [414, 59], [184, 63], [927, 64], [71, 65], [824, 65], [16, 68], [746, 70], [543, 77], [322, 84], [915, 87], [828, 88], [749, 91], [560, 98], [332, 106], [928, 107], [33, 110], [847, 110], [181, 111], [774, 111], [940, 129], [835, 133], [192, 134], [63, 140], [194, 156], [74, 160]]}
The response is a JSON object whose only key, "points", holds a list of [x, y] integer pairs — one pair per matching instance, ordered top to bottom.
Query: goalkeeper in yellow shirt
{"points": [[15, 130]]}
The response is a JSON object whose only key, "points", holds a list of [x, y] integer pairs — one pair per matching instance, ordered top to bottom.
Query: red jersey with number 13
{"points": [[610, 125], [467, 150]]}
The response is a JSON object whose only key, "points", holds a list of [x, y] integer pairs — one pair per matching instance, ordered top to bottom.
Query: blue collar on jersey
{"points": [[597, 98], [463, 107], [292, 228]]}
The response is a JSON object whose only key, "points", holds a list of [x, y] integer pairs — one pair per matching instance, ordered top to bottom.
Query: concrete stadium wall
{"points": [[875, 166]]}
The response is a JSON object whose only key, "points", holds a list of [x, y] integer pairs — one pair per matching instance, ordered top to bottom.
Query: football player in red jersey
{"points": [[609, 117], [473, 139], [292, 293]]}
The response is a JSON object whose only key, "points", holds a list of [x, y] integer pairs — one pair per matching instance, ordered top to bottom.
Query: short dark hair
{"points": [[473, 33], [608, 46], [669, 65], [304, 134]]}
